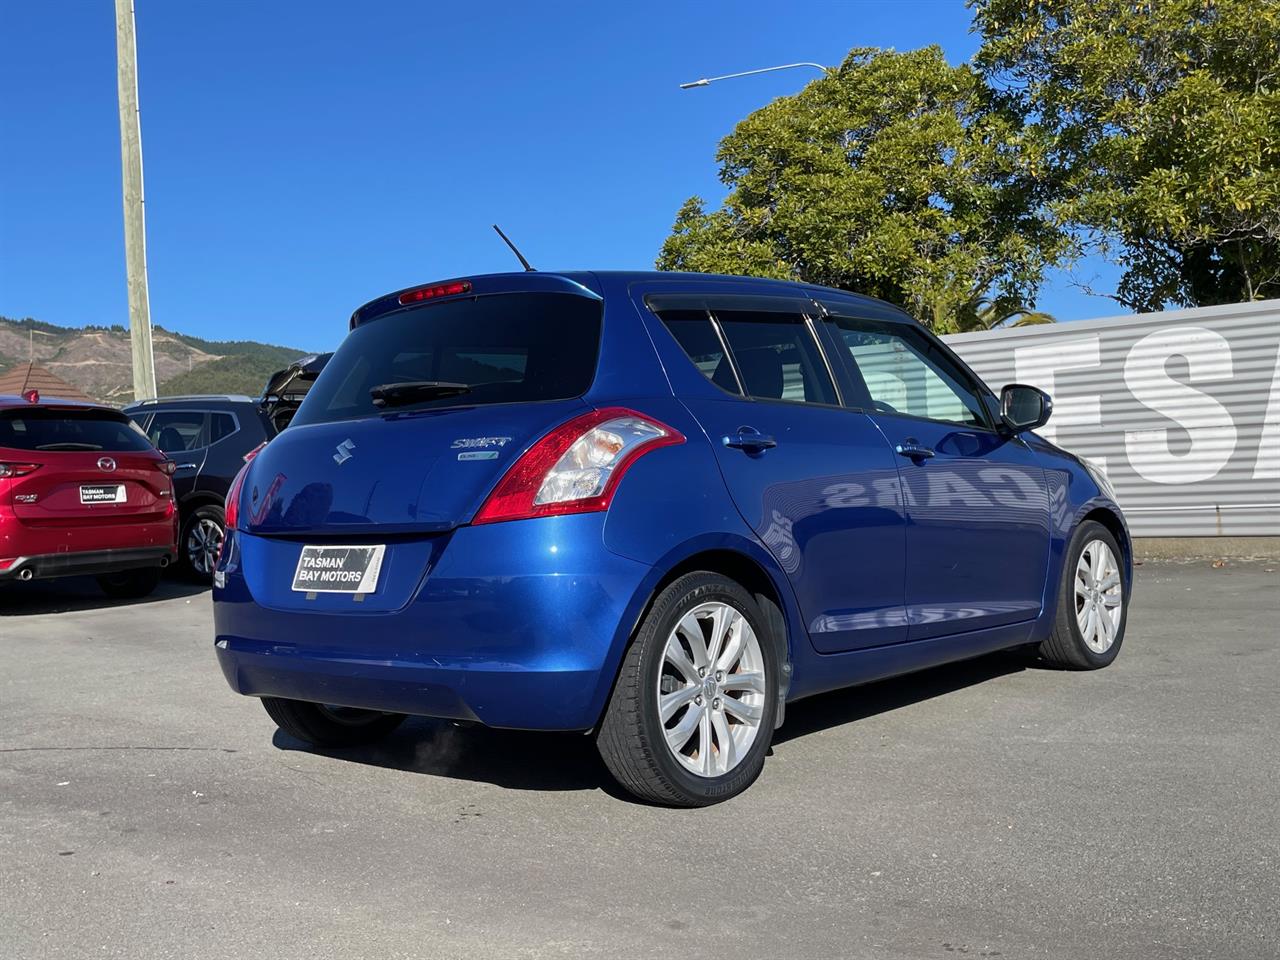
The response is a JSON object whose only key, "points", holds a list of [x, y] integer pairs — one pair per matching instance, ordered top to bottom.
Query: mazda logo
{"points": [[106, 464]]}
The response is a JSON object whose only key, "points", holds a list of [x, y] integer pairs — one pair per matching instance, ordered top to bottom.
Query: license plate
{"points": [[103, 493], [346, 569]]}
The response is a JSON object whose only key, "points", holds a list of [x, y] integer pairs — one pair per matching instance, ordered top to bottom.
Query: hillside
{"points": [[98, 360]]}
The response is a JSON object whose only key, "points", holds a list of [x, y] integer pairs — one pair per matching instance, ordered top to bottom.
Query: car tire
{"points": [[199, 542], [130, 584], [1073, 644], [328, 726], [726, 752]]}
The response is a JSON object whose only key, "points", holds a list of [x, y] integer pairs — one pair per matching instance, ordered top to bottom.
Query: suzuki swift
{"points": [[657, 507]]}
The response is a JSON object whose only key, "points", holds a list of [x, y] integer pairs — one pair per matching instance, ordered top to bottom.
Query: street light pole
{"points": [[748, 73], [135, 234]]}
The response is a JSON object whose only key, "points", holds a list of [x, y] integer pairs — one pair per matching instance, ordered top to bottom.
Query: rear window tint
{"points": [[693, 331], [510, 348], [776, 356], [221, 426], [45, 428], [178, 431]]}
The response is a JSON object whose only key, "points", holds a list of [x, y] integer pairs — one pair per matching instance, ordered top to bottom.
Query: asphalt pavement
{"points": [[992, 808]]}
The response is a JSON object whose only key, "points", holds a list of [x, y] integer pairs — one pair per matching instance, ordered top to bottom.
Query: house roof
{"points": [[31, 376]]}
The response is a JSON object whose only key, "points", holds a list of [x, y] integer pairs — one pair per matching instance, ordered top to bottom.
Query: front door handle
{"points": [[750, 439], [913, 448], [185, 466]]}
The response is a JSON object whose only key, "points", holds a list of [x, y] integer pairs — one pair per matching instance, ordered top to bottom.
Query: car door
{"points": [[182, 436], [816, 482], [976, 499]]}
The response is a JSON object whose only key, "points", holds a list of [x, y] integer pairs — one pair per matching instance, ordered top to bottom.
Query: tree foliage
{"points": [[1158, 124], [896, 175]]}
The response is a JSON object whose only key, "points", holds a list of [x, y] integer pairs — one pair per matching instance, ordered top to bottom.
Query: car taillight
{"points": [[167, 467], [576, 467], [8, 469], [231, 510]]}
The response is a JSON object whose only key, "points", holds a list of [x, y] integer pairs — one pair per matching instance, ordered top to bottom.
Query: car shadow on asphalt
{"points": [[70, 594], [835, 709], [514, 759], [520, 760]]}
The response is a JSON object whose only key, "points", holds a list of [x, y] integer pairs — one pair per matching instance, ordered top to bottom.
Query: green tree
{"points": [[1158, 124], [896, 175]]}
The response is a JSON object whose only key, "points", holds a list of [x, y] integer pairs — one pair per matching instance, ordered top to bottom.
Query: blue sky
{"points": [[301, 158]]}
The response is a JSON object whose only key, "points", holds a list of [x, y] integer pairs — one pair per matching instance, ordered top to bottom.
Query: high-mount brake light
{"points": [[434, 291], [31, 396], [576, 468], [8, 469]]}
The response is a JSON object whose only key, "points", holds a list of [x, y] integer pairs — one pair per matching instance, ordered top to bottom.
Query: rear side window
{"points": [[693, 331], [509, 348], [776, 356], [221, 426], [45, 428], [178, 431]]}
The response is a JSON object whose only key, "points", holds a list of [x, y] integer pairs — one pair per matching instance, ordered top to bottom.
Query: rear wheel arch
{"points": [[744, 570], [750, 573]]}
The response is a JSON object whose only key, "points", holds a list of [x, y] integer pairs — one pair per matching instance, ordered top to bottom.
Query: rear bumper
{"points": [[49, 565], [517, 625]]}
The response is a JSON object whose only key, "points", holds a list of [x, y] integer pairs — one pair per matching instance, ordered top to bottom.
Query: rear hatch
{"points": [[416, 416], [407, 429], [79, 466], [422, 471]]}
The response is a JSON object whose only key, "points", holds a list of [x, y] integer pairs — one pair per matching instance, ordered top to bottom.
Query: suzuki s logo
{"points": [[344, 452], [106, 464]]}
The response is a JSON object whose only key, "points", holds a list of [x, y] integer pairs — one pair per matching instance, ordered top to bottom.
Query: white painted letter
{"points": [[1206, 421]]}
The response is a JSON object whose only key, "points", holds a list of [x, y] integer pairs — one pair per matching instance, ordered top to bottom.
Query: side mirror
{"points": [[1024, 408]]}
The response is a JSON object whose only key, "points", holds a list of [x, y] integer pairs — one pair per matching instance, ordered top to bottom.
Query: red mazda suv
{"points": [[82, 491]]}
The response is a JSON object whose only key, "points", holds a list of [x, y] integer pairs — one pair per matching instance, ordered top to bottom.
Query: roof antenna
{"points": [[519, 256]]}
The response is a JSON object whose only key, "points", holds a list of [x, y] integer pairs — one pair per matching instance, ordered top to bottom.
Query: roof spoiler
{"points": [[481, 286]]}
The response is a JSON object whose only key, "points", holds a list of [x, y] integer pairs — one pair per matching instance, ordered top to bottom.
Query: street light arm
{"points": [[748, 73]]}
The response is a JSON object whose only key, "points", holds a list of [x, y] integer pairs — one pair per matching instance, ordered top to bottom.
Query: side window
{"points": [[693, 331], [776, 356], [906, 373], [221, 426], [178, 430]]}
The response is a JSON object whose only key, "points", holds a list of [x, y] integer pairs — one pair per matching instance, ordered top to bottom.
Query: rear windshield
{"points": [[510, 348], [49, 428]]}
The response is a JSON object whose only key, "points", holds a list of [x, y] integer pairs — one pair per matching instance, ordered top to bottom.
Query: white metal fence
{"points": [[1182, 408]]}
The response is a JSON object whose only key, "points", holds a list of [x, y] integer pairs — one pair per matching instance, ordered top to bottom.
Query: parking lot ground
{"points": [[986, 809]]}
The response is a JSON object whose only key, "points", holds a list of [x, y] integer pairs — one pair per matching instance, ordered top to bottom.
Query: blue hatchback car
{"points": [[654, 506]]}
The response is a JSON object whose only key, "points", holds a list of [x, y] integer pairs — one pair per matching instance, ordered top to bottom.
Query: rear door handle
{"points": [[750, 439], [913, 448], [185, 466]]}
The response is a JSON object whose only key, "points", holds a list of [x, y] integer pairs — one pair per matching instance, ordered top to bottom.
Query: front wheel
{"points": [[1093, 602], [691, 715], [330, 726]]}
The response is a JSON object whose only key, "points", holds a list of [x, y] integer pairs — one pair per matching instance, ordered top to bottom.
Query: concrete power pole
{"points": [[135, 230]]}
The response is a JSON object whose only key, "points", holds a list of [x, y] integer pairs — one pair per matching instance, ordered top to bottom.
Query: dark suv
{"points": [[209, 438]]}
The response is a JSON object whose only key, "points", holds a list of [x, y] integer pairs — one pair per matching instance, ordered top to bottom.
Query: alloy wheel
{"points": [[204, 541], [1099, 595], [711, 689]]}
